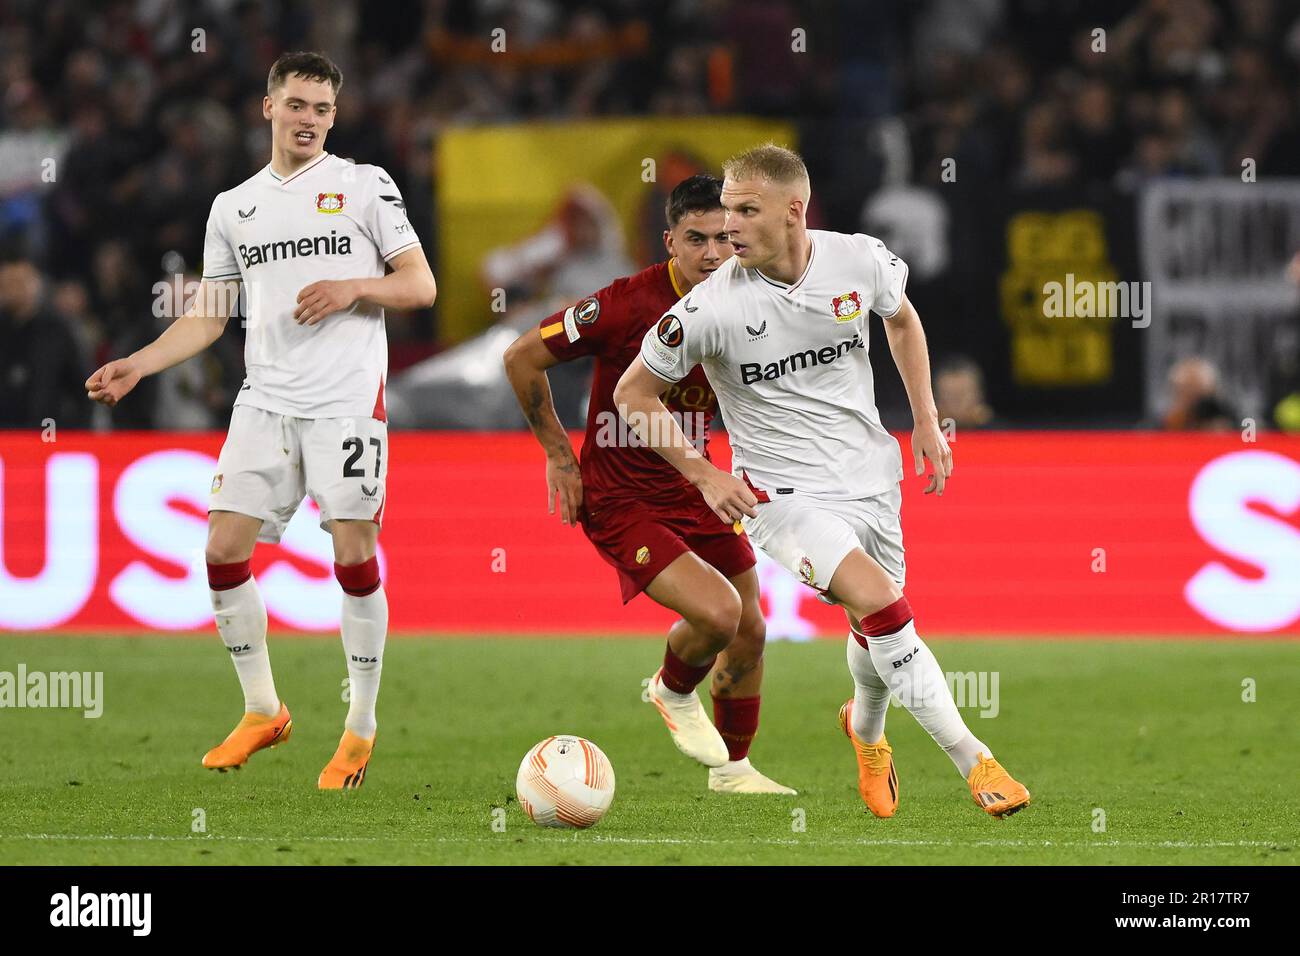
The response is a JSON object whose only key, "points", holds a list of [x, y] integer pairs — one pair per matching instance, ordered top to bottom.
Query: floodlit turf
{"points": [[1154, 734]]}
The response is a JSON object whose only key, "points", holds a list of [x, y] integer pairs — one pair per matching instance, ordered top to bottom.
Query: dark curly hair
{"points": [[699, 193]]}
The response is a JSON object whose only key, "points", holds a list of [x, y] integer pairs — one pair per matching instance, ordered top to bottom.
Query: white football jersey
{"points": [[332, 219], [789, 366]]}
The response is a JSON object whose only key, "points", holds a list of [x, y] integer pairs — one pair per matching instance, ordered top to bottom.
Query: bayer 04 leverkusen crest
{"points": [[329, 202], [846, 307]]}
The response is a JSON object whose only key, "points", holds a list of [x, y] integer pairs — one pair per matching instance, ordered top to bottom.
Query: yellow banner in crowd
{"points": [[497, 185], [1057, 297]]}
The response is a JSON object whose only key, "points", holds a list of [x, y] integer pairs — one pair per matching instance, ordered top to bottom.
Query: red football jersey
{"points": [[609, 325]]}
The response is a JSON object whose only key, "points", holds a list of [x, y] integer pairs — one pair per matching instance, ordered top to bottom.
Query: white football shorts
{"points": [[270, 461], [809, 537]]}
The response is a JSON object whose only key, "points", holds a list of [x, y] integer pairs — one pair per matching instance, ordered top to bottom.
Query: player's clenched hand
{"points": [[324, 298], [112, 381], [928, 442], [564, 481], [728, 496]]}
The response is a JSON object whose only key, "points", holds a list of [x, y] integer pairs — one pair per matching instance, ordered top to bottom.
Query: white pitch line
{"points": [[645, 841], [1171, 844]]}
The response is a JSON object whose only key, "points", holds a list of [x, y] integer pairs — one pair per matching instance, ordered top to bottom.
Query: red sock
{"points": [[223, 577], [359, 579], [888, 620], [680, 677], [737, 720]]}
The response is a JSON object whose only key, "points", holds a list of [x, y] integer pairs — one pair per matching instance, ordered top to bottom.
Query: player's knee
{"points": [[231, 537], [352, 545], [223, 550], [353, 553], [869, 598], [719, 620]]}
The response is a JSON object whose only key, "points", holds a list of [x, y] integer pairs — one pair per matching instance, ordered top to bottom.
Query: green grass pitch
{"points": [[1154, 735]]}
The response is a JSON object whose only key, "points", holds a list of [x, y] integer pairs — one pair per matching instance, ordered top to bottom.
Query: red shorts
{"points": [[640, 539]]}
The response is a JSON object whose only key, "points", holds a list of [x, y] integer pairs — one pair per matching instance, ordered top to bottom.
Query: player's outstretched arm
{"points": [[409, 286], [189, 335], [907, 345], [526, 361], [637, 397]]}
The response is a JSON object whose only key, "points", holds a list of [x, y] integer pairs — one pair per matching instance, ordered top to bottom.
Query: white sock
{"points": [[241, 622], [365, 626], [909, 667], [870, 694]]}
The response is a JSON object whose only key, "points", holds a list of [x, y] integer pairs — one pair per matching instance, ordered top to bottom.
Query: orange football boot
{"points": [[253, 733], [347, 768], [877, 779], [995, 792]]}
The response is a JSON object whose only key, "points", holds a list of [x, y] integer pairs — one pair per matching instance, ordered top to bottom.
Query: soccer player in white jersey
{"points": [[321, 247], [781, 331]]}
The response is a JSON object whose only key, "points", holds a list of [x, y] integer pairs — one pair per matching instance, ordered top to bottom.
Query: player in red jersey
{"points": [[642, 516]]}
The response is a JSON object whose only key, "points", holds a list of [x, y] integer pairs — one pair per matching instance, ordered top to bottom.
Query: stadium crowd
{"points": [[121, 120]]}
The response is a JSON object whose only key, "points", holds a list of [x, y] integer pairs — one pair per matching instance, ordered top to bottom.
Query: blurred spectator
{"points": [[1095, 134], [31, 148], [1193, 149], [1045, 158], [578, 251], [72, 302], [42, 365], [198, 394], [959, 394], [1286, 399], [1194, 402], [1286, 413]]}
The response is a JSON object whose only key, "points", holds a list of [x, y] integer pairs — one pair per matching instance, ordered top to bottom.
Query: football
{"points": [[565, 782]]}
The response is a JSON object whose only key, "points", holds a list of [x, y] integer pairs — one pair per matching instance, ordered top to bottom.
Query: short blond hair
{"points": [[776, 164]]}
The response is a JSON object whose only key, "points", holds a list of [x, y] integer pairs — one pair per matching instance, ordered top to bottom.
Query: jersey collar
{"points": [[282, 180], [808, 268], [672, 277]]}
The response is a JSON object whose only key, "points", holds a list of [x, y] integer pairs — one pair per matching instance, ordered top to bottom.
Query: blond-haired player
{"points": [[321, 247], [781, 332]]}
